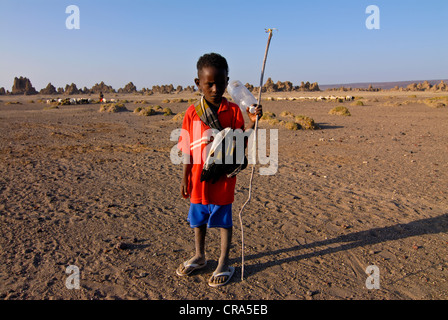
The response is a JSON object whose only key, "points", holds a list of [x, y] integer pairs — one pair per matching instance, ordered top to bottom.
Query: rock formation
{"points": [[23, 86], [269, 86], [284, 86], [287, 86], [307, 86], [426, 86], [442, 86], [102, 87], [129, 88], [49, 89], [71, 89], [164, 89], [190, 89], [2, 91], [146, 91]]}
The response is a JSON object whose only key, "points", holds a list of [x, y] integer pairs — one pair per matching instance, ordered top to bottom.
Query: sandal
{"points": [[186, 268], [227, 274]]}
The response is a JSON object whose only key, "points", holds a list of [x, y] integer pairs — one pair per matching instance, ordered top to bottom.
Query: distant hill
{"points": [[23, 85], [379, 85]]}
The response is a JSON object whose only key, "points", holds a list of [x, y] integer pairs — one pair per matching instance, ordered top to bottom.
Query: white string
{"points": [[254, 158], [247, 201]]}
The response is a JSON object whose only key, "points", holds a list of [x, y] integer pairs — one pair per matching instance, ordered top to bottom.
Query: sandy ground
{"points": [[369, 189]]}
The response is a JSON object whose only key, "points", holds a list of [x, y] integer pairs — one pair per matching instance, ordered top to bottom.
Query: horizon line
{"points": [[327, 85]]}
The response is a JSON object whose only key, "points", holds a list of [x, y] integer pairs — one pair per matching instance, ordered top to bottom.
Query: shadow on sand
{"points": [[326, 126], [353, 240]]}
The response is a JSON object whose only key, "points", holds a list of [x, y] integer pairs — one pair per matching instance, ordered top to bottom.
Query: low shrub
{"points": [[436, 102], [358, 103], [113, 108], [340, 111], [147, 112], [167, 112], [267, 116], [179, 117], [297, 122], [306, 122], [290, 125]]}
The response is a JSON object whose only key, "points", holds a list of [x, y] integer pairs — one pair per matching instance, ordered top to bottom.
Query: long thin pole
{"points": [[254, 148]]}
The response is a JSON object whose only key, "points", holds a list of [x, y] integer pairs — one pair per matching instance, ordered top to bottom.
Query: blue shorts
{"points": [[212, 215]]}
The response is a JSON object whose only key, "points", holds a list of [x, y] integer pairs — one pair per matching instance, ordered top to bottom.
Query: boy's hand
{"points": [[258, 113], [186, 170], [184, 189]]}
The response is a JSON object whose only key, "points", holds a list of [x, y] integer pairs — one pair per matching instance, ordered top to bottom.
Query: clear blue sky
{"points": [[158, 42]]}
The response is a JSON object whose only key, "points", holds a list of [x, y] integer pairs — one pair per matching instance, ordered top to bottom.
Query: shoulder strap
{"points": [[207, 114]]}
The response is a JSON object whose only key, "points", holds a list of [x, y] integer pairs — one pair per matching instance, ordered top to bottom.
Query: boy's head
{"points": [[212, 79]]}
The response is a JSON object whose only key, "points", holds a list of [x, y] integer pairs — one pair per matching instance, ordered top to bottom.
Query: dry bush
{"points": [[177, 100], [141, 101], [436, 102], [357, 103], [397, 104], [113, 108], [138, 109], [145, 111], [340, 111], [167, 112], [286, 114], [267, 116], [179, 117], [274, 122], [297, 122], [306, 122], [290, 125]]}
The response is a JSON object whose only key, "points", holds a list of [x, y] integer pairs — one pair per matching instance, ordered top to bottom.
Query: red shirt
{"points": [[193, 142]]}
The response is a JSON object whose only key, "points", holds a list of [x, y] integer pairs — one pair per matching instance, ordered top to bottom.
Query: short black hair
{"points": [[212, 60]]}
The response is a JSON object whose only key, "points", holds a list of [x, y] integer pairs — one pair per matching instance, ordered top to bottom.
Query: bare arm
{"points": [[253, 117], [185, 174]]}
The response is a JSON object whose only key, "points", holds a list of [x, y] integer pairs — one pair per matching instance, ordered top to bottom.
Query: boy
{"points": [[211, 202]]}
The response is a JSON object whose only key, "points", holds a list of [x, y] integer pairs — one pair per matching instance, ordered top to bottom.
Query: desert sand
{"points": [[98, 191]]}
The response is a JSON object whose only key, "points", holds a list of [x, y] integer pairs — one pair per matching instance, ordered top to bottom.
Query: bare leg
{"points": [[199, 241], [223, 264]]}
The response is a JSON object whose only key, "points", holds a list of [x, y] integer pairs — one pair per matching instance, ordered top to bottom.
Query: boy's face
{"points": [[212, 82]]}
